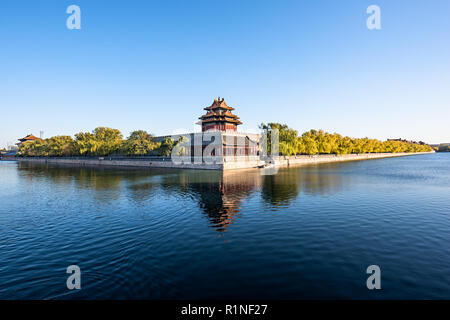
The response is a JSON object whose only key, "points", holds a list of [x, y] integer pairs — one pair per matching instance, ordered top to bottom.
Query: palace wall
{"points": [[219, 163]]}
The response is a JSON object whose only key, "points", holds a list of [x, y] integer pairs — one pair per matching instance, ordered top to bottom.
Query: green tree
{"points": [[287, 137], [109, 140], [318, 141], [101, 142], [86, 143], [139, 143], [308, 144], [60, 146], [166, 147], [180, 147]]}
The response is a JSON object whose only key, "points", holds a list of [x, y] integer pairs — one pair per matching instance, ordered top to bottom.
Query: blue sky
{"points": [[154, 65]]}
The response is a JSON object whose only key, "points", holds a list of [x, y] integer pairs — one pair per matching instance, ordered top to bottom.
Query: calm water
{"points": [[305, 232]]}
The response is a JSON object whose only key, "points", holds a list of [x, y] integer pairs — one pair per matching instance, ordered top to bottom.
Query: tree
{"points": [[287, 138], [109, 140], [318, 141], [101, 142], [85, 143], [139, 143], [307, 143], [60, 146], [52, 147], [166, 147], [180, 147], [31, 149]]}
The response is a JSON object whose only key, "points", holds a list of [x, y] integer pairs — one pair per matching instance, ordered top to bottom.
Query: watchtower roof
{"points": [[219, 111]]}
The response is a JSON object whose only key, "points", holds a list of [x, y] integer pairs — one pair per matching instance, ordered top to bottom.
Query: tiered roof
{"points": [[219, 111], [28, 138]]}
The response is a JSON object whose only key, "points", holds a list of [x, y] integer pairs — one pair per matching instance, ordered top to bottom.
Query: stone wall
{"points": [[305, 160], [124, 163], [221, 163]]}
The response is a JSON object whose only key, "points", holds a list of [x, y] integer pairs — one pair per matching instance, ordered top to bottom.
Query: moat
{"points": [[305, 232]]}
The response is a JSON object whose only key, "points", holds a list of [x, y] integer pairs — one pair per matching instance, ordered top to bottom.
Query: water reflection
{"points": [[325, 179], [280, 189], [219, 195], [221, 198], [152, 234]]}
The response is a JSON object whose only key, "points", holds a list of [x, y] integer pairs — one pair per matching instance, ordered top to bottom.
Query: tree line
{"points": [[101, 141], [104, 141], [320, 142]]}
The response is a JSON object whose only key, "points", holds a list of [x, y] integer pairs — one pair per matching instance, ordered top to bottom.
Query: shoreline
{"points": [[326, 158], [224, 163]]}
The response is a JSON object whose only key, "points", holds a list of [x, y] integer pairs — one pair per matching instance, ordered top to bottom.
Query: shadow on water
{"points": [[219, 194]]}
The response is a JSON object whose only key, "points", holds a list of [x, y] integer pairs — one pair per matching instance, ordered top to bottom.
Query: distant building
{"points": [[26, 139], [8, 155]]}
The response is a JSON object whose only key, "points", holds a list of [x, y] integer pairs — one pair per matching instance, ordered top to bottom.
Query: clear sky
{"points": [[154, 65]]}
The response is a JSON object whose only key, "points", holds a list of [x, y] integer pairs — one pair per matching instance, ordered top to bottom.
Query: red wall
{"points": [[220, 126]]}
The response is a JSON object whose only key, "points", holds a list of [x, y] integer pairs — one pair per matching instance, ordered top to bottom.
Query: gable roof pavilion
{"points": [[28, 138]]}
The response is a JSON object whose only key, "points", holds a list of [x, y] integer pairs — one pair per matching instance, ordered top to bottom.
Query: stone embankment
{"points": [[221, 163]]}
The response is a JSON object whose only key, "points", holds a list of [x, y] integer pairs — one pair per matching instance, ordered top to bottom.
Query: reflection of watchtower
{"points": [[221, 199]]}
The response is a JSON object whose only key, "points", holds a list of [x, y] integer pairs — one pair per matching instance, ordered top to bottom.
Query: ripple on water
{"points": [[306, 232]]}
